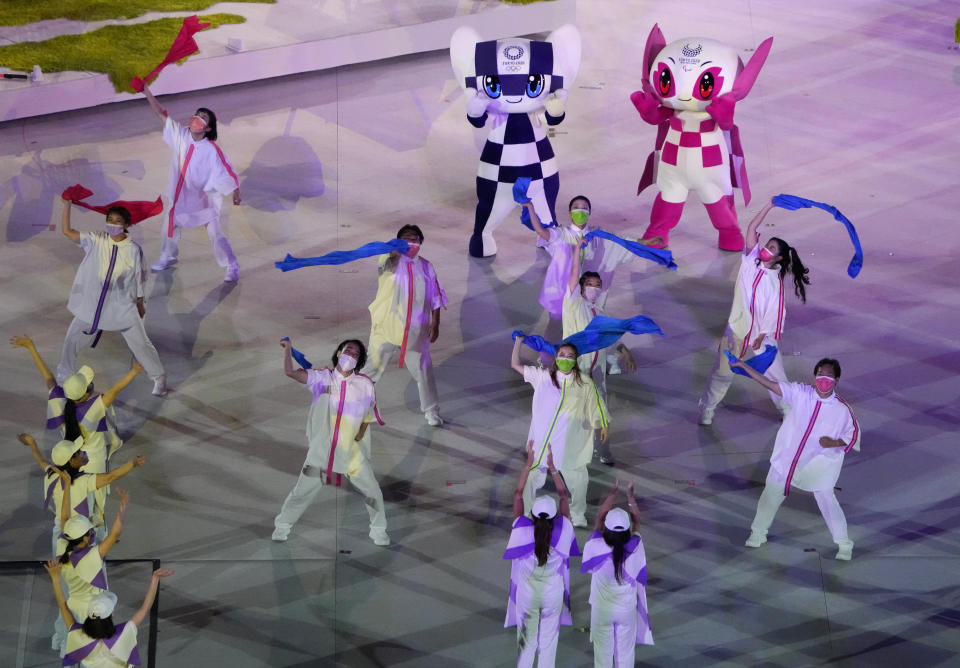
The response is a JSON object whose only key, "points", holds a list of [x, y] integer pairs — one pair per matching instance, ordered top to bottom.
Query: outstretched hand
{"points": [[21, 341], [26, 439], [529, 453], [550, 465], [53, 567], [163, 573]]}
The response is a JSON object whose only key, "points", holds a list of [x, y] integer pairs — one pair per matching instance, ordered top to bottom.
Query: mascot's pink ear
{"points": [[655, 44], [745, 79]]}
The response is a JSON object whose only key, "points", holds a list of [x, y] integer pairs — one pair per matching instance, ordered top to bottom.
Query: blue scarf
{"points": [[520, 197], [792, 203], [658, 255], [290, 263], [600, 333], [298, 356], [759, 363]]}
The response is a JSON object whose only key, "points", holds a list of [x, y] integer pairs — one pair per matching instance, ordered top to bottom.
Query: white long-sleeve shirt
{"points": [[757, 301], [119, 310], [798, 458]]}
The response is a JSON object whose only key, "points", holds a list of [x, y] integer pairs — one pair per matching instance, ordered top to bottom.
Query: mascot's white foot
{"points": [[483, 245]]}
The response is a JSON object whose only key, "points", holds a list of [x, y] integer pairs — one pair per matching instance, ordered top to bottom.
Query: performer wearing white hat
{"points": [[200, 177], [107, 295], [406, 314], [344, 403], [567, 407], [808, 453], [539, 551], [615, 558], [83, 568], [96, 642]]}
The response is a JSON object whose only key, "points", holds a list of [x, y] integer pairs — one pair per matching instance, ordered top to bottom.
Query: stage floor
{"points": [[336, 159]]}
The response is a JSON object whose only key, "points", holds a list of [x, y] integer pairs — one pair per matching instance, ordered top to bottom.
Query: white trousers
{"points": [[170, 248], [137, 342], [417, 362], [721, 376], [576, 480], [308, 485], [772, 497], [539, 631], [614, 635]]}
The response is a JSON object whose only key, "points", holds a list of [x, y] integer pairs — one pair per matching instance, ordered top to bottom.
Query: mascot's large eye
{"points": [[665, 81], [534, 85], [491, 86], [706, 86]]}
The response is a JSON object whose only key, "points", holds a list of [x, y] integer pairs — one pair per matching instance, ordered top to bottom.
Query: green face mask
{"points": [[579, 217], [565, 365]]}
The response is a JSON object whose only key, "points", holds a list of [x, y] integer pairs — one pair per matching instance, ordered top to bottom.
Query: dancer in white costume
{"points": [[200, 176], [107, 295], [758, 313], [406, 314], [344, 403], [567, 407], [808, 452], [68, 458], [539, 552], [615, 557], [83, 569], [96, 642]]}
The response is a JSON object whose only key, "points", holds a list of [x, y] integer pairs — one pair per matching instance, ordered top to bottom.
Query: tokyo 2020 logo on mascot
{"points": [[511, 82], [689, 92]]}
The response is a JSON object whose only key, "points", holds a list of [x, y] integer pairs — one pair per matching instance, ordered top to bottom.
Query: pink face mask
{"points": [[197, 124], [765, 255], [825, 383]]}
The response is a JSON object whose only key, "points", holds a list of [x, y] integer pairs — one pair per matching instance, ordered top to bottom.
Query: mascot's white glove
{"points": [[556, 103], [477, 105]]}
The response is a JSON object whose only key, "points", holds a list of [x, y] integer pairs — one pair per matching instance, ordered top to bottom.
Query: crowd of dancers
{"points": [[569, 427]]}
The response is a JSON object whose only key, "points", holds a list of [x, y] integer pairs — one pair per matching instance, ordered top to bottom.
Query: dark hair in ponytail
{"points": [[790, 261], [70, 422], [542, 535], [618, 541], [71, 546], [99, 628]]}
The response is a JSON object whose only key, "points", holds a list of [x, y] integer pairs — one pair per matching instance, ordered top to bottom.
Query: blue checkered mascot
{"points": [[509, 83]]}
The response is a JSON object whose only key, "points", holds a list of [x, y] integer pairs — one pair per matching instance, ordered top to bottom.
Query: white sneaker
{"points": [[163, 262], [232, 274], [160, 386], [706, 417], [433, 419], [579, 521], [280, 534], [379, 537], [755, 540], [845, 553]]}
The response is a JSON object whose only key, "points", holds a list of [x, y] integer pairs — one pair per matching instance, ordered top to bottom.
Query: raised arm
{"points": [[154, 104], [535, 221], [755, 225], [65, 228], [573, 282], [26, 342], [515, 363], [299, 375], [760, 378], [111, 395], [28, 441], [104, 479], [521, 483], [564, 506], [606, 506], [633, 507], [66, 510], [117, 526], [53, 568], [141, 614]]}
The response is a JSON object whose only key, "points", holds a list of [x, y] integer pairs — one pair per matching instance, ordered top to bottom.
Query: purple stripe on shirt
{"points": [[103, 291], [518, 551]]}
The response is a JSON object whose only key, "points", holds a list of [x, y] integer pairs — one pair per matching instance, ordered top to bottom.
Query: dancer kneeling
{"points": [[567, 407], [338, 438], [808, 453], [539, 551], [618, 600], [97, 641]]}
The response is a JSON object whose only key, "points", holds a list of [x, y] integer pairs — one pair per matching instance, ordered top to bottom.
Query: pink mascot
{"points": [[689, 92]]}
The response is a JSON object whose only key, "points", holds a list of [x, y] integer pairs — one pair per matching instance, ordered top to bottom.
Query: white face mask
{"points": [[114, 230], [591, 293], [346, 363]]}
